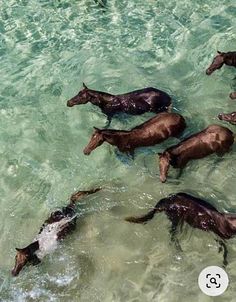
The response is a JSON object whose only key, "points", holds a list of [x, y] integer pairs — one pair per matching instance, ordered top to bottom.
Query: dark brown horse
{"points": [[227, 58], [135, 102], [228, 117], [152, 132], [213, 139], [196, 212], [55, 228]]}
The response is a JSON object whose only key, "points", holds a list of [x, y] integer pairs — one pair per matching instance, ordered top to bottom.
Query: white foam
{"points": [[48, 237]]}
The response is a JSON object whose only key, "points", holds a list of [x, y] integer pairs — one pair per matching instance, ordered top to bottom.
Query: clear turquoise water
{"points": [[47, 49]]}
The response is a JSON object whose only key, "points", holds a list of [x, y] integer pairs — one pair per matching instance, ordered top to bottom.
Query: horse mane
{"points": [[97, 93], [113, 131]]}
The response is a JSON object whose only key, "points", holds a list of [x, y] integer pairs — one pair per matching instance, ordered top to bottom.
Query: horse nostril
{"points": [[208, 72], [69, 104], [220, 116], [86, 152], [163, 179], [14, 273]]}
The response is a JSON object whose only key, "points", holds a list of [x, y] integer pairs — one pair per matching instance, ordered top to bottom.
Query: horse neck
{"points": [[230, 59], [99, 98], [116, 138], [181, 147], [175, 150], [231, 219], [33, 247]]}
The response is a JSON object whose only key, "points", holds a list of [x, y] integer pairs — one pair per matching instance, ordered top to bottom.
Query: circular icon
{"points": [[213, 281]]}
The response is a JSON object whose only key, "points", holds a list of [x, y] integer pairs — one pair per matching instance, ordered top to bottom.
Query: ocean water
{"points": [[47, 49]]}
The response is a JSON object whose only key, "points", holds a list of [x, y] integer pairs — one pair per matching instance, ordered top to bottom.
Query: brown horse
{"points": [[227, 58], [134, 102], [228, 117], [152, 132], [213, 139], [196, 212], [55, 228]]}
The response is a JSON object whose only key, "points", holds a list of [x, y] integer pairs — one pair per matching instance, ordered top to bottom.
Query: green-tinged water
{"points": [[47, 49]]}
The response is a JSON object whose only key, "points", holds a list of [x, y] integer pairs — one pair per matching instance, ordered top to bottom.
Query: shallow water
{"points": [[47, 49]]}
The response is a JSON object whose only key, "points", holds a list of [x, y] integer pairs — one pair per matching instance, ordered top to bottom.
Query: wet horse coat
{"points": [[227, 58], [135, 102], [152, 132], [213, 139], [196, 212], [56, 227]]}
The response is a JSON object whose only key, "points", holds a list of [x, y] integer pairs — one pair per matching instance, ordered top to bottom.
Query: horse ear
{"points": [[219, 52], [85, 87], [97, 129], [159, 154], [18, 250]]}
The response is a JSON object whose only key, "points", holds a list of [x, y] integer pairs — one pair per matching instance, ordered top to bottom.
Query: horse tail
{"points": [[78, 195], [160, 206]]}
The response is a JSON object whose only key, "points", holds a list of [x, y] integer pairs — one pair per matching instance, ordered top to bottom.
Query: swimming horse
{"points": [[135, 102], [183, 208], [55, 228]]}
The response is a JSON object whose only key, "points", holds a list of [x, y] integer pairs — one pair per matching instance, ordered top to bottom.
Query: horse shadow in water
{"points": [[126, 120], [147, 152], [128, 158]]}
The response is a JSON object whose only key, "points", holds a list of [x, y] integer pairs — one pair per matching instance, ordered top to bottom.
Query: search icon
{"points": [[213, 280]]}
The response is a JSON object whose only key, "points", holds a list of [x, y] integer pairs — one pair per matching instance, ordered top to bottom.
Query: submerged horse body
{"points": [[227, 58], [135, 102], [228, 117], [153, 131], [213, 139], [196, 212], [55, 228]]}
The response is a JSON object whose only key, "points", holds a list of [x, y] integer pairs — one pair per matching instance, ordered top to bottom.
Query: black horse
{"points": [[227, 58], [135, 102], [198, 213]]}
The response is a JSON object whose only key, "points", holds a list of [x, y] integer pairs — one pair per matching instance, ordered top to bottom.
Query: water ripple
{"points": [[47, 49]]}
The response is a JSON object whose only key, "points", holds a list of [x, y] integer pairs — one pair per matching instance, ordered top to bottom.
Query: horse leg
{"points": [[109, 118], [223, 151], [131, 154], [220, 154], [124, 158], [180, 172], [173, 233], [223, 248]]}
